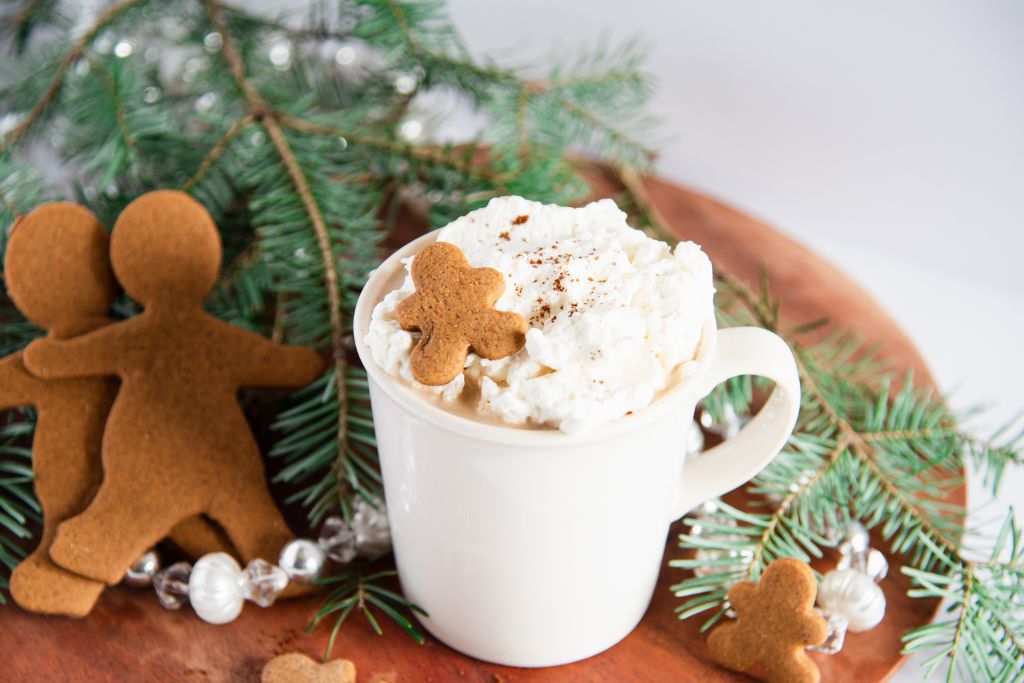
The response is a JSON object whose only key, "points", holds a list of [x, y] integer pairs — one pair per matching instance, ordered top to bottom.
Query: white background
{"points": [[889, 136]]}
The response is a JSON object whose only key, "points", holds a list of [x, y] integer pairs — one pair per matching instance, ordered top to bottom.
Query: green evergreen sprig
{"points": [[302, 164], [888, 456], [19, 509]]}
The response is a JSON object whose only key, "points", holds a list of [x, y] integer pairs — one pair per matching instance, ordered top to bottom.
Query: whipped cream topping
{"points": [[615, 316]]}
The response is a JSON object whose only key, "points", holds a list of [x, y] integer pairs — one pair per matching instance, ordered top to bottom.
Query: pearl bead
{"points": [[302, 559], [215, 588], [855, 596]]}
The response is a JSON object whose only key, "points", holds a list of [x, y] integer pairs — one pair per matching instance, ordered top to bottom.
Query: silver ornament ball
{"points": [[302, 560], [143, 569], [215, 588], [853, 595]]}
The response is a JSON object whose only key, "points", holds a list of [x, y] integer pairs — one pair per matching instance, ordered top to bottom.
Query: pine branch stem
{"points": [[25, 13], [402, 22], [65, 62], [116, 99], [260, 112], [610, 130], [522, 133], [216, 151], [432, 155], [633, 183], [277, 330], [909, 434], [866, 454], [790, 498], [965, 607]]}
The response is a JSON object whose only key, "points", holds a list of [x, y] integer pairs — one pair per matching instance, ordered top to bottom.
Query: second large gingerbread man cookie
{"points": [[176, 443]]}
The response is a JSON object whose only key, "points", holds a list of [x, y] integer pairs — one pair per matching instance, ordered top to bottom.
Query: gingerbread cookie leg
{"points": [[65, 460], [64, 482], [251, 520], [198, 536], [105, 539], [37, 584]]}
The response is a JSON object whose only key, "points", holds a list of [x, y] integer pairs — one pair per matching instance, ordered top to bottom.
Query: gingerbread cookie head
{"points": [[165, 247], [56, 269], [453, 309], [775, 623]]}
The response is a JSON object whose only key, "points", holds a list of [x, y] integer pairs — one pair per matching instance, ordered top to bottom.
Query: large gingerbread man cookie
{"points": [[57, 273], [453, 309], [176, 443], [775, 624]]}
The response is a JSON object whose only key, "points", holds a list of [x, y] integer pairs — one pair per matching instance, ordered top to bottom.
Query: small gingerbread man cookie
{"points": [[453, 309], [775, 623]]}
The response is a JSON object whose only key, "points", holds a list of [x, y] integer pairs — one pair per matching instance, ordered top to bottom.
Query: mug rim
{"points": [[421, 408]]}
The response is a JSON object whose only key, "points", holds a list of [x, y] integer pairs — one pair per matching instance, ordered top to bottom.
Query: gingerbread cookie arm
{"points": [[504, 333], [97, 354], [263, 363], [17, 386]]}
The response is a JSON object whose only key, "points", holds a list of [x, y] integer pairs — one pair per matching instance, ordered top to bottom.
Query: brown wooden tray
{"points": [[130, 637]]}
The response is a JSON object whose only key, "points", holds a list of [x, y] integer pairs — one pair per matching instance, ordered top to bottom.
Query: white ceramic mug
{"points": [[535, 547]]}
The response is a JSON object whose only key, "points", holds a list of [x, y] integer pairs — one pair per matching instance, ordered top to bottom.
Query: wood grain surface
{"points": [[130, 637]]}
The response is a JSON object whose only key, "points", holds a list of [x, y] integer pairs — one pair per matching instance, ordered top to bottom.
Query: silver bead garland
{"points": [[217, 587]]}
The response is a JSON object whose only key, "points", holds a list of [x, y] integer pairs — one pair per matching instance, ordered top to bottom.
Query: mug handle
{"points": [[744, 351]]}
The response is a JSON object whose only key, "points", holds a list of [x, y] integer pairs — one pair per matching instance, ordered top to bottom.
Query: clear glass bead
{"points": [[729, 427], [708, 508], [370, 523], [831, 533], [338, 540], [855, 540], [721, 561], [262, 582], [171, 585], [837, 625]]}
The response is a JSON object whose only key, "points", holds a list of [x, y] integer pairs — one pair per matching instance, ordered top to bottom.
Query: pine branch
{"points": [[19, 22], [69, 58], [259, 111], [217, 151], [887, 458], [19, 509], [355, 590], [984, 641]]}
